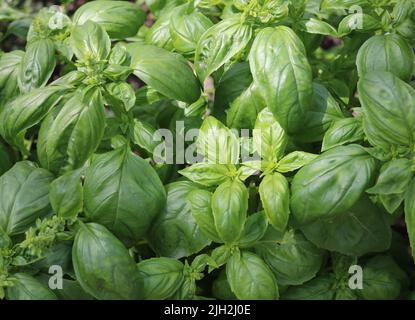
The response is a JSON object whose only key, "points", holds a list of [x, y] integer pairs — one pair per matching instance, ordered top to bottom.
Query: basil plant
{"points": [[207, 149]]}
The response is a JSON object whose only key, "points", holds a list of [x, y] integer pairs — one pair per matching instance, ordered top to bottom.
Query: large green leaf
{"points": [[121, 19], [186, 28], [90, 42], [221, 43], [389, 52], [37, 65], [9, 73], [169, 73], [282, 73], [232, 84], [244, 110], [388, 110], [26, 111], [324, 111], [71, 134], [270, 140], [332, 183], [123, 192], [66, 195], [24, 197], [275, 197], [200, 207], [229, 208], [362, 229], [175, 232], [293, 259], [103, 266], [161, 277], [250, 278], [382, 279], [27, 287], [320, 288]]}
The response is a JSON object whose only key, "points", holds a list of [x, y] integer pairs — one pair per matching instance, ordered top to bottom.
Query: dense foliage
{"points": [[323, 182]]}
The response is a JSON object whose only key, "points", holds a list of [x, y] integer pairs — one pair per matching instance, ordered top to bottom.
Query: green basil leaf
{"points": [[163, 7], [120, 19], [359, 22], [319, 27], [407, 27], [19, 28], [186, 28], [159, 33], [90, 42], [221, 43], [390, 53], [118, 55], [37, 65], [281, 71], [116, 73], [169, 73], [9, 75], [72, 79], [235, 81], [122, 94], [387, 103], [198, 108], [244, 110], [26, 111], [324, 111], [342, 132], [70, 135], [145, 136], [270, 139], [216, 143], [295, 160], [244, 172], [209, 174], [394, 177], [332, 183], [123, 192], [66, 195], [275, 197], [24, 198], [392, 202], [200, 207], [229, 208], [255, 228], [362, 229], [175, 232], [59, 253], [219, 257], [292, 258], [200, 262], [341, 264], [103, 266], [162, 277], [250, 278], [382, 279], [27, 287], [320, 288], [72, 290], [187, 291], [345, 293]]}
